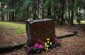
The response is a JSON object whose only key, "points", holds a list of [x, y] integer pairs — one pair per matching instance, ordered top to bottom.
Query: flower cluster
{"points": [[48, 44], [43, 46], [37, 48]]}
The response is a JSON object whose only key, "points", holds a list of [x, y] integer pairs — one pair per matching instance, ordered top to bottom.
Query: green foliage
{"points": [[5, 1], [25, 5], [22, 7], [58, 10], [5, 11]]}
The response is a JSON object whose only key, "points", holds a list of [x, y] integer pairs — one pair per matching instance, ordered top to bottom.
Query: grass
{"points": [[81, 22], [19, 28]]}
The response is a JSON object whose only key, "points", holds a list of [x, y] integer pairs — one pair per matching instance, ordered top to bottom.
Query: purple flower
{"points": [[57, 41], [42, 43], [29, 49]]}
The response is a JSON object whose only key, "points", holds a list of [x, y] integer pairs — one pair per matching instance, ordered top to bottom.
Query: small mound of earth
{"points": [[8, 38]]}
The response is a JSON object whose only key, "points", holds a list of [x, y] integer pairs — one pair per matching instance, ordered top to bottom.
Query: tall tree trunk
{"points": [[38, 1], [11, 5], [42, 9], [34, 10], [49, 11], [27, 12], [62, 12], [72, 12], [69, 13], [54, 14], [2, 15], [34, 15], [11, 16], [72, 16], [69, 18]]}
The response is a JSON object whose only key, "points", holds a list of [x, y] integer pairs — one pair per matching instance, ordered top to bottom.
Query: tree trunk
{"points": [[11, 5], [34, 8], [38, 8], [42, 9], [27, 11], [49, 11], [62, 12], [69, 13], [72, 13], [54, 14], [2, 15], [34, 15], [11, 16], [72, 16], [69, 18]]}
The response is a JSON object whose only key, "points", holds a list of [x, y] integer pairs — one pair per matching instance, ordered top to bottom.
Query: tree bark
{"points": [[11, 5], [42, 9], [34, 10], [49, 11], [62, 12], [72, 12], [2, 15]]}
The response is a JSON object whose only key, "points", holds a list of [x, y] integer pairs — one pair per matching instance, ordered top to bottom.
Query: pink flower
{"points": [[36, 45], [41, 46]]}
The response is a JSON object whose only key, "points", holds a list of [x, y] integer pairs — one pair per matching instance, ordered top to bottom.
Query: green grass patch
{"points": [[81, 22], [19, 28]]}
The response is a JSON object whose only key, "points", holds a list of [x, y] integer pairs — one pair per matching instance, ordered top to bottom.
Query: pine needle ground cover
{"points": [[81, 22], [19, 28], [12, 34], [70, 46]]}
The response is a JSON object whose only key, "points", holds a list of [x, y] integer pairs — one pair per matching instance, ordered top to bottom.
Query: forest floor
{"points": [[74, 45]]}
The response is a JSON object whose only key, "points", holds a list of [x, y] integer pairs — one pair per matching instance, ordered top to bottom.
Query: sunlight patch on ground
{"points": [[81, 22], [19, 28]]}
